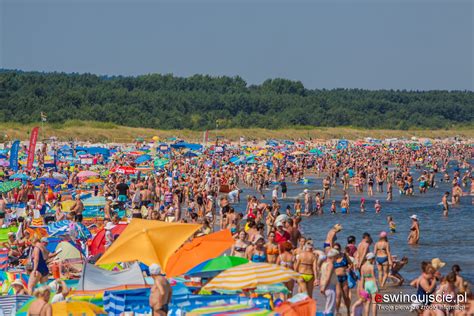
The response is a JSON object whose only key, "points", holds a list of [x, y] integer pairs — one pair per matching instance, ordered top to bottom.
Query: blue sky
{"points": [[394, 44]]}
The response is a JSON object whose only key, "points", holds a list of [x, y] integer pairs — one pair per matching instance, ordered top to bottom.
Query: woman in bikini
{"points": [[414, 236], [240, 246], [272, 248], [258, 253], [383, 257], [286, 259], [306, 264], [341, 267], [369, 282]]}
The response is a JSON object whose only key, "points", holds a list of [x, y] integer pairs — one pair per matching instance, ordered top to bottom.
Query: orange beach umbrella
{"points": [[197, 251]]}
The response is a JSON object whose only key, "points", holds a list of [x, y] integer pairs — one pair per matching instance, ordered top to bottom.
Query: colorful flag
{"points": [[32, 148], [14, 155]]}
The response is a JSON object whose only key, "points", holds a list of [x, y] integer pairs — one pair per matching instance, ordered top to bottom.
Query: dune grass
{"points": [[110, 132]]}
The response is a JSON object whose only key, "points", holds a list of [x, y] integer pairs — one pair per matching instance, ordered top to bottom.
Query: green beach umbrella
{"points": [[7, 186], [4, 233], [212, 267]]}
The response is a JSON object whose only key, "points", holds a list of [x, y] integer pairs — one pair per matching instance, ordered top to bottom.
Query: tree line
{"points": [[200, 102]]}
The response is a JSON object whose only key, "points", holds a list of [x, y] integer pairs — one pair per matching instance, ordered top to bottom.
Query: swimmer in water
{"points": [[444, 201], [362, 205], [333, 207], [378, 207], [391, 224], [414, 236]]}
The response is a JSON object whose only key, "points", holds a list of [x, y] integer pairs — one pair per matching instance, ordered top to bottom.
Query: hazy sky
{"points": [[394, 44]]}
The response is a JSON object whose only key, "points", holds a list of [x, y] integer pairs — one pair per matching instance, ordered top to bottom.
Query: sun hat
{"points": [[414, 217], [437, 263], [17, 282]]}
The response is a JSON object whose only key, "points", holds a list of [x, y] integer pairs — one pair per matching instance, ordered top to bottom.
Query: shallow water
{"points": [[451, 239]]}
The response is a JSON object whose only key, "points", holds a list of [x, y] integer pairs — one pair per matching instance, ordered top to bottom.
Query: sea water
{"points": [[449, 238]]}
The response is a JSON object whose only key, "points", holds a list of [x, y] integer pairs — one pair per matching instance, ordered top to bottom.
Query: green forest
{"points": [[201, 102]]}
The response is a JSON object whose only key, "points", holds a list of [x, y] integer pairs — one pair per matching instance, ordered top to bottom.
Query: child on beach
{"points": [[333, 207], [378, 207], [391, 224], [395, 269], [358, 307]]}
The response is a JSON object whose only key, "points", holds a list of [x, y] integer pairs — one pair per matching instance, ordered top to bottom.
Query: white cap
{"points": [[305, 190], [110, 198], [414, 217], [369, 256], [155, 269]]}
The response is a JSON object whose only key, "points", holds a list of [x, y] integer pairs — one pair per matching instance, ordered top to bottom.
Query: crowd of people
{"points": [[207, 188]]}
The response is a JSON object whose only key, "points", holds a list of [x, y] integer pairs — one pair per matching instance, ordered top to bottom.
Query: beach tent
{"points": [[342, 144], [186, 145], [94, 151], [143, 158], [97, 245], [95, 278], [131, 300], [10, 304]]}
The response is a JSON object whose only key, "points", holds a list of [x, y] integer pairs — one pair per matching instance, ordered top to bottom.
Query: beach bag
{"points": [[352, 279]]}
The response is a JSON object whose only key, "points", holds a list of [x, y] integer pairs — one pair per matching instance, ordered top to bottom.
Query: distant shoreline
{"points": [[109, 132]]}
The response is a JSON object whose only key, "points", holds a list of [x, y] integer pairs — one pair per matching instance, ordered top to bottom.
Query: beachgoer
{"points": [[161, 292]]}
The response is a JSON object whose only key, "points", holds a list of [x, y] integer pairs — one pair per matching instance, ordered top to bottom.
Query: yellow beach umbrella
{"points": [[278, 156], [94, 181], [66, 205], [148, 241], [250, 275], [77, 309]]}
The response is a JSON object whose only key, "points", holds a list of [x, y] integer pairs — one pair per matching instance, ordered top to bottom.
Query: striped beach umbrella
{"points": [[251, 275]]}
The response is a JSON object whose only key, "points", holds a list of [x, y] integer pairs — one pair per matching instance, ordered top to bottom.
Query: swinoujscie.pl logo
{"points": [[423, 299]]}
